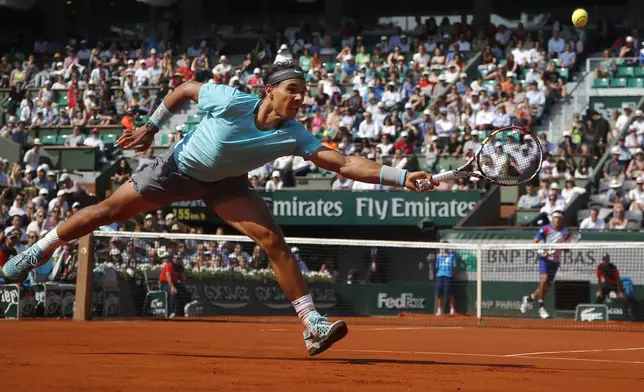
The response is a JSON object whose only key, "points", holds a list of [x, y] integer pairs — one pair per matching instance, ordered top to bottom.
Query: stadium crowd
{"points": [[411, 99]]}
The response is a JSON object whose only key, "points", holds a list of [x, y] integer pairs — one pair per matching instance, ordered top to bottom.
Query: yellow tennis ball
{"points": [[580, 17]]}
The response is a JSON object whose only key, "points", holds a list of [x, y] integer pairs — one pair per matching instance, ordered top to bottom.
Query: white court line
{"points": [[368, 329], [600, 350], [502, 356], [586, 360]]}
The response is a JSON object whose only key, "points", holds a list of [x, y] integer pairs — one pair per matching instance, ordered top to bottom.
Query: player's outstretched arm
{"points": [[142, 137], [365, 170]]}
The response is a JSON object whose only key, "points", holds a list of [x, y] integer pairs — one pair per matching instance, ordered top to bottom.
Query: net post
{"points": [[479, 283], [83, 298]]}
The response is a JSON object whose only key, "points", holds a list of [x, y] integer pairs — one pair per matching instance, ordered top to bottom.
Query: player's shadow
{"points": [[349, 361]]}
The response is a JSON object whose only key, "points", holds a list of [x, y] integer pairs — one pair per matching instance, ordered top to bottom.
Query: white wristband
{"points": [[160, 116]]}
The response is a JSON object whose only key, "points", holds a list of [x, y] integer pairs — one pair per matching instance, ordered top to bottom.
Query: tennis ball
{"points": [[580, 17]]}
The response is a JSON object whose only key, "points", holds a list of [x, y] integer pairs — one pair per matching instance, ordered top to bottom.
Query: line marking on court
{"points": [[369, 329], [600, 350], [501, 356], [587, 360]]}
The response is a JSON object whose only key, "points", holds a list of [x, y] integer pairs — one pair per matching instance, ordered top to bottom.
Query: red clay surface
{"points": [[224, 356]]}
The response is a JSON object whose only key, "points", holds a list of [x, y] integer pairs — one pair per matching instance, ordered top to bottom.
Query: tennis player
{"points": [[240, 132], [549, 261]]}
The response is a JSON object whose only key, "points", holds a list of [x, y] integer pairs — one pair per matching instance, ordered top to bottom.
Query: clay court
{"points": [[225, 356]]}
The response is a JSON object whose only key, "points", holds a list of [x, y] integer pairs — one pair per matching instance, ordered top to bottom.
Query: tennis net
{"points": [[385, 282]]}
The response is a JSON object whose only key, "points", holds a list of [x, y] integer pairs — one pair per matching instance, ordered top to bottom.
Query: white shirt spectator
{"points": [[556, 45], [464, 46], [521, 56], [421, 60], [535, 97], [391, 98], [26, 113], [484, 117], [501, 120], [621, 122], [444, 127], [368, 129], [93, 141], [471, 145], [31, 160], [282, 163], [260, 172], [345, 185], [272, 186], [363, 186], [568, 194], [636, 197], [549, 207], [589, 224]]}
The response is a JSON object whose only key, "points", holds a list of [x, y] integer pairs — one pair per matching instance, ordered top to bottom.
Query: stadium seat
{"points": [[625, 72], [639, 72], [565, 73], [600, 83], [618, 83], [636, 83], [490, 85], [62, 101], [192, 119], [61, 139], [109, 139], [165, 139], [49, 140], [629, 184], [603, 186], [597, 199], [582, 214], [634, 225]]}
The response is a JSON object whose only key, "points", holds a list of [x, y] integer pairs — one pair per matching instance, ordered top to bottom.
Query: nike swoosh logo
{"points": [[297, 72], [280, 132]]}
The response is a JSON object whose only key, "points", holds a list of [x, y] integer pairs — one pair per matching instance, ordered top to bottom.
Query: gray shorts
{"points": [[163, 183]]}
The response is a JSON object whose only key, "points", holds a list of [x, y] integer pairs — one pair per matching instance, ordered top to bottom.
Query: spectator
{"points": [[76, 139], [32, 157], [613, 169], [275, 183], [616, 195], [636, 195], [530, 199], [618, 221], [592, 222]]}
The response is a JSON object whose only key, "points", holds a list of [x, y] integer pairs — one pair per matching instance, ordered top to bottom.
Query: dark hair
{"points": [[279, 67]]}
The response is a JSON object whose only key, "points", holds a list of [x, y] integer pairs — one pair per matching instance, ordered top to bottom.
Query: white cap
{"points": [[629, 39], [283, 47], [153, 51], [130, 61], [257, 71], [463, 75], [441, 77], [408, 105], [427, 112], [639, 113], [632, 127], [178, 128], [474, 132], [566, 133], [404, 134], [434, 138], [37, 142], [615, 150], [51, 173], [276, 173], [64, 177], [640, 180], [615, 183], [554, 186], [43, 191], [60, 193], [76, 204], [149, 216], [169, 216], [10, 232], [295, 249], [114, 252]]}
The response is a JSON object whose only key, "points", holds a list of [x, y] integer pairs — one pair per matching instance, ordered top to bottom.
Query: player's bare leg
{"points": [[122, 205], [249, 214], [538, 295], [452, 307], [439, 310]]}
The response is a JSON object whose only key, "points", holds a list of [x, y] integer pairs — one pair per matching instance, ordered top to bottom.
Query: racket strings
{"points": [[509, 156]]}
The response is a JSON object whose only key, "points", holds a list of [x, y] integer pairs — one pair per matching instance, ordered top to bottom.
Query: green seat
{"points": [[625, 72], [639, 72], [565, 73], [618, 82], [600, 83], [636, 83], [489, 84], [62, 101], [192, 119], [44, 132], [61, 139], [109, 139], [165, 139], [49, 140]]}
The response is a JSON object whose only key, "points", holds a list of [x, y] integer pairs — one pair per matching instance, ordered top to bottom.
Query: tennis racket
{"points": [[508, 157]]}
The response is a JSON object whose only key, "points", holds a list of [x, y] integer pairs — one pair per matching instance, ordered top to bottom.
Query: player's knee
{"points": [[273, 244]]}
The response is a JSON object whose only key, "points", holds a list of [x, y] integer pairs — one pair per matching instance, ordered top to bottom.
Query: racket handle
{"points": [[444, 176]]}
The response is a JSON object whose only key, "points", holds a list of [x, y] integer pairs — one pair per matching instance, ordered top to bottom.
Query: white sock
{"points": [[50, 240], [303, 306]]}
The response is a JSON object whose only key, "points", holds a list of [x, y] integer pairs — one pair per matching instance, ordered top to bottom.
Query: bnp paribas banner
{"points": [[354, 208]]}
